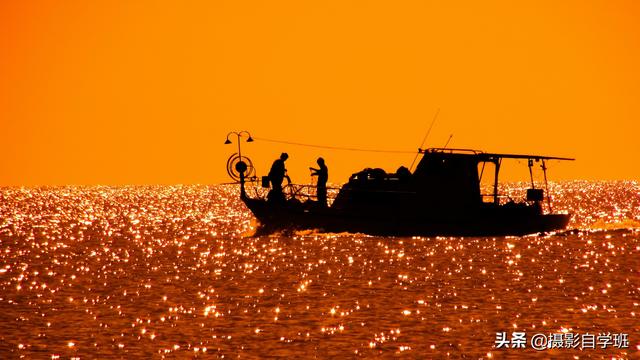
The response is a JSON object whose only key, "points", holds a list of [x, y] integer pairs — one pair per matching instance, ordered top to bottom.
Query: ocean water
{"points": [[126, 272]]}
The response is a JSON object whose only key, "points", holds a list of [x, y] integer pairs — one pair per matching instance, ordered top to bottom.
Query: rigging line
{"points": [[425, 138], [334, 147]]}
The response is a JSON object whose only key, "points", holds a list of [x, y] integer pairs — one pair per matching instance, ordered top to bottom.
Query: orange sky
{"points": [[144, 92]]}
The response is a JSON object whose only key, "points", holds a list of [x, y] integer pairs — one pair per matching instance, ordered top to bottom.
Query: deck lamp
{"points": [[239, 135]]}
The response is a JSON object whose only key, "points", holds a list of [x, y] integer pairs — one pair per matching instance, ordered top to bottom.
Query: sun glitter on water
{"points": [[142, 271]]}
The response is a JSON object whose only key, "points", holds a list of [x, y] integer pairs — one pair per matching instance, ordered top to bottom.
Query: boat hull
{"points": [[487, 222]]}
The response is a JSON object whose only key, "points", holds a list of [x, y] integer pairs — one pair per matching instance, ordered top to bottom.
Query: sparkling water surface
{"points": [[124, 272]]}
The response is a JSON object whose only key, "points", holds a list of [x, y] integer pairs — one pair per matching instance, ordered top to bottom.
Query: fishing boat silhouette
{"points": [[441, 197]]}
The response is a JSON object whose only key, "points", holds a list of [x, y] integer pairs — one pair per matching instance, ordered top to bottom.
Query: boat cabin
{"points": [[445, 180]]}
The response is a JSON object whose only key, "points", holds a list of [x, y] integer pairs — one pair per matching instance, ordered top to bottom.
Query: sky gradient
{"points": [[144, 92]]}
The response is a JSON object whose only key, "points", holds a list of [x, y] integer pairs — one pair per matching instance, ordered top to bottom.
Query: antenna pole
{"points": [[425, 138], [445, 145]]}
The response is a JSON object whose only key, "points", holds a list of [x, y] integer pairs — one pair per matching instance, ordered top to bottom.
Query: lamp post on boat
{"points": [[239, 135], [241, 167]]}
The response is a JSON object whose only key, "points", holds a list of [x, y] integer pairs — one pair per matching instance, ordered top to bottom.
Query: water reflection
{"points": [[142, 271]]}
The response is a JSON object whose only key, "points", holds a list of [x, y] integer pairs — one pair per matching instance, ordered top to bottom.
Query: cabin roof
{"points": [[481, 155]]}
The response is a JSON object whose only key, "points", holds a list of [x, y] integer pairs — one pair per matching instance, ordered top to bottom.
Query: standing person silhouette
{"points": [[278, 173], [321, 186]]}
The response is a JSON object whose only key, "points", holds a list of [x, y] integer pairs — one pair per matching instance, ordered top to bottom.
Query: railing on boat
{"points": [[301, 192], [306, 192]]}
